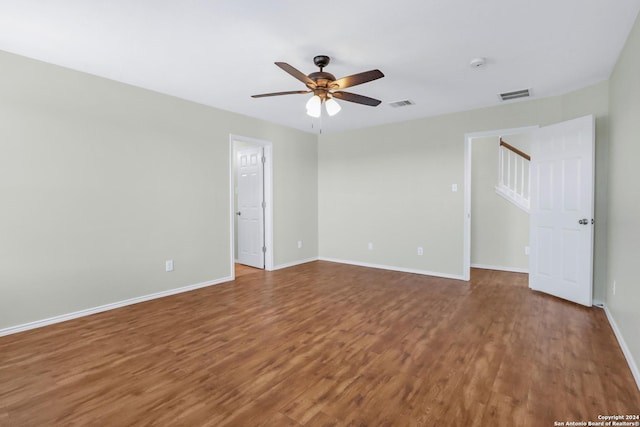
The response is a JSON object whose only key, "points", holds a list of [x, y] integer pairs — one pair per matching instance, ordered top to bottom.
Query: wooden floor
{"points": [[243, 270], [324, 344]]}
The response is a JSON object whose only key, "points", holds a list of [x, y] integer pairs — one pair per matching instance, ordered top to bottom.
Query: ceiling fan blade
{"points": [[296, 73], [358, 79], [291, 92], [358, 99]]}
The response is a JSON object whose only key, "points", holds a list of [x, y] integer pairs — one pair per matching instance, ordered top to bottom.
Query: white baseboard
{"points": [[294, 263], [394, 268], [501, 268], [89, 311], [623, 345]]}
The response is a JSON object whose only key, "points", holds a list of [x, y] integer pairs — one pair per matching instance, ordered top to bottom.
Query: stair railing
{"points": [[513, 175]]}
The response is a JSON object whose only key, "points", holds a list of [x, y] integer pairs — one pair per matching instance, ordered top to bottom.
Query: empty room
{"points": [[282, 213]]}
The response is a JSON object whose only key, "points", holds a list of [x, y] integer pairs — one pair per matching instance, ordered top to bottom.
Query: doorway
{"points": [[480, 138], [499, 203], [251, 235]]}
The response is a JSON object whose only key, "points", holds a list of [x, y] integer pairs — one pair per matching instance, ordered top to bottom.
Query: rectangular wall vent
{"points": [[514, 95], [404, 103]]}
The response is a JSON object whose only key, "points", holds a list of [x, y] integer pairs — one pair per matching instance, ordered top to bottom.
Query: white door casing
{"points": [[562, 207], [250, 209]]}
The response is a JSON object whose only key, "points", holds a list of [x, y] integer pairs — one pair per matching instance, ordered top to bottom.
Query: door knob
{"points": [[240, 213], [583, 221]]}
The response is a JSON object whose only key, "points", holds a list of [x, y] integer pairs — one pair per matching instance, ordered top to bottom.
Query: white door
{"points": [[250, 207], [561, 214]]}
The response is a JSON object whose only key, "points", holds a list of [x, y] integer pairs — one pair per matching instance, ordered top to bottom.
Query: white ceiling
{"points": [[220, 52]]}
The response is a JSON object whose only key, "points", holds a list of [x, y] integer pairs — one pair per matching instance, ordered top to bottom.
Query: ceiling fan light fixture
{"points": [[313, 106], [332, 107]]}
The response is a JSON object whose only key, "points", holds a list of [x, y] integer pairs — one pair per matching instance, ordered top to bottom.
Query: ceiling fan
{"points": [[326, 87]]}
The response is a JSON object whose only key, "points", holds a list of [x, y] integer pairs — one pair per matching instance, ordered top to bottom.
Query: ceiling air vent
{"points": [[514, 95], [399, 104]]}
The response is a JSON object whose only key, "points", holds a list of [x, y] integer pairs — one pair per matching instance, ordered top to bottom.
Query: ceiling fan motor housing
{"points": [[321, 78], [322, 82]]}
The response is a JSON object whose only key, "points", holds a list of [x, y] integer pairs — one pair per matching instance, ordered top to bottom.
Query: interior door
{"points": [[250, 182], [561, 214]]}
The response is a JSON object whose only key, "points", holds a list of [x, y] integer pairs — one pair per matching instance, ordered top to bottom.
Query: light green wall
{"points": [[102, 182], [391, 184], [295, 192], [624, 196], [499, 229]]}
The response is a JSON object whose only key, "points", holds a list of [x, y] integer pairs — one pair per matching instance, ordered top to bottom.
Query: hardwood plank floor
{"points": [[243, 270], [324, 344]]}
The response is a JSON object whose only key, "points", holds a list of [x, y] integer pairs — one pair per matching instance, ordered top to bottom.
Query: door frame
{"points": [[468, 139], [268, 198]]}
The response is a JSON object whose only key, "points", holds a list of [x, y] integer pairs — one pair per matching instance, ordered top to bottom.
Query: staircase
{"points": [[513, 175]]}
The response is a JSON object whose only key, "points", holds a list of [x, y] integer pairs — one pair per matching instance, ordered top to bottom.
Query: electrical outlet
{"points": [[454, 187], [299, 244], [370, 246], [420, 250], [526, 250], [168, 265], [614, 287]]}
